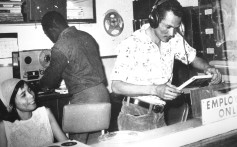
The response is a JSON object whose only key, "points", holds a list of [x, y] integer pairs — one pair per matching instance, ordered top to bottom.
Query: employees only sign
{"points": [[219, 108]]}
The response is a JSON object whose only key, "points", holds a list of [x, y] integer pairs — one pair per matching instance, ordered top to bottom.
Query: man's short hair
{"points": [[169, 5], [53, 19]]}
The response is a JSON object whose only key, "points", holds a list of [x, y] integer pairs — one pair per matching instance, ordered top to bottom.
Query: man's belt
{"points": [[151, 107]]}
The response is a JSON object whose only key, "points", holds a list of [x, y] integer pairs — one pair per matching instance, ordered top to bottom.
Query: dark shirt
{"points": [[74, 58]]}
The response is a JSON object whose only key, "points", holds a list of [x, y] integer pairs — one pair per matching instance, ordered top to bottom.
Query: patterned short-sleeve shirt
{"points": [[140, 61]]}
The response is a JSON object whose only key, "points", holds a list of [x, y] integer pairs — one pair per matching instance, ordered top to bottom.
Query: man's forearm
{"points": [[200, 64], [52, 75], [49, 82], [127, 89], [164, 91]]}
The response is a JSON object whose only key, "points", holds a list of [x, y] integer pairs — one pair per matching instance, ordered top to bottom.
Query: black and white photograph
{"points": [[118, 73]]}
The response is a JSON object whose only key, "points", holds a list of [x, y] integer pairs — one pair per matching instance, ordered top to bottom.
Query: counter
{"points": [[191, 133], [188, 134]]}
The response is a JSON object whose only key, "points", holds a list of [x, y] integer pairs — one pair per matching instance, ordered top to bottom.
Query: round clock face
{"points": [[113, 24]]}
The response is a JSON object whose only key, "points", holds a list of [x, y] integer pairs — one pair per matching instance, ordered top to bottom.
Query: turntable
{"points": [[30, 65], [68, 143]]}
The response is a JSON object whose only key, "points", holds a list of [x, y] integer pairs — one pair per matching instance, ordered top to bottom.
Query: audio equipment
{"points": [[153, 17], [30, 65]]}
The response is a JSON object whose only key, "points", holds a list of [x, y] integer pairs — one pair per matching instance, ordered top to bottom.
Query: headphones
{"points": [[153, 17]]}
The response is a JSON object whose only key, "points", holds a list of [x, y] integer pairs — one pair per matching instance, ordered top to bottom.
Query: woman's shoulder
{"points": [[41, 110], [41, 114]]}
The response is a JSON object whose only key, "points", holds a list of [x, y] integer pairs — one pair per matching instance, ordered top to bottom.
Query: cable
{"points": [[180, 30], [186, 53]]}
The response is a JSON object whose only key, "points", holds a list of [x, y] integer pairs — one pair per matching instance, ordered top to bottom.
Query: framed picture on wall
{"points": [[75, 11], [81, 11]]}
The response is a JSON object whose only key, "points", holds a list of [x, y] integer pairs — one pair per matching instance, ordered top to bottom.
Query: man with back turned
{"points": [[75, 59]]}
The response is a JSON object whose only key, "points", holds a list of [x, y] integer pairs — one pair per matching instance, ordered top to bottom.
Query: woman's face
{"points": [[25, 99]]}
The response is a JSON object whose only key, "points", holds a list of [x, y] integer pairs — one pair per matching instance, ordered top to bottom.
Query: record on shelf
{"points": [[113, 23]]}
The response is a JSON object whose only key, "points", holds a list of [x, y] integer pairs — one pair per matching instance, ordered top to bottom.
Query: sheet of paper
{"points": [[7, 46]]}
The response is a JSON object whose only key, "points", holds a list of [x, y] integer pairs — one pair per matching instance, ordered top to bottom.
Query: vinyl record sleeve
{"points": [[196, 81]]}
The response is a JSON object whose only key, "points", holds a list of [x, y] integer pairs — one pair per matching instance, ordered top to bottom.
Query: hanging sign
{"points": [[219, 108]]}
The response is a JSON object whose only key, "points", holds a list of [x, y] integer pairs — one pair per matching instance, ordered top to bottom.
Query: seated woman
{"points": [[22, 124]]}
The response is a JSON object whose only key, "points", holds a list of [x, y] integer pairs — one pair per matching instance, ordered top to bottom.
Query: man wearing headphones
{"points": [[144, 67]]}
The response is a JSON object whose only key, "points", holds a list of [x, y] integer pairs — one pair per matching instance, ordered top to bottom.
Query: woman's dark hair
{"points": [[12, 115]]}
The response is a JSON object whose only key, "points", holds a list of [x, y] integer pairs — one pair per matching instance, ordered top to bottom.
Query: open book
{"points": [[196, 81]]}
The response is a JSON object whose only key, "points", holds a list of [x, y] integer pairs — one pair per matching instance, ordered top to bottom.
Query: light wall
{"points": [[31, 36]]}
